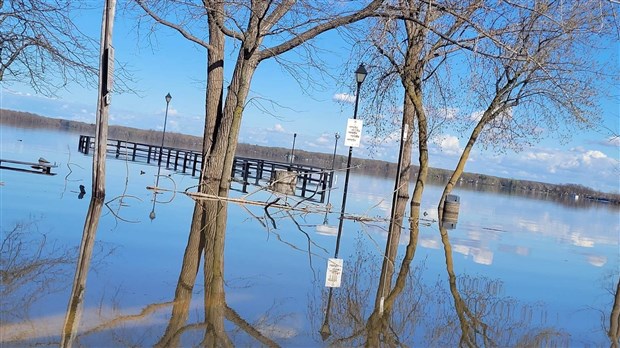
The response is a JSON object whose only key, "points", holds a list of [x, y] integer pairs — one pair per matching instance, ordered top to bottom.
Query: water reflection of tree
{"points": [[211, 246], [210, 250], [31, 266], [352, 304], [74, 308], [468, 311], [485, 318], [614, 319]]}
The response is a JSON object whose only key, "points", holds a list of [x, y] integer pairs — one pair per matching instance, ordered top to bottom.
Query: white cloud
{"points": [[344, 98], [278, 128], [326, 139], [613, 141], [449, 144], [592, 155]]}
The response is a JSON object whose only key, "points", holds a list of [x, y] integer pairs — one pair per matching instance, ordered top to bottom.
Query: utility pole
{"points": [[104, 97]]}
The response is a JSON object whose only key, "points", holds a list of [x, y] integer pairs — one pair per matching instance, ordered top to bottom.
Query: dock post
{"points": [[87, 145], [118, 148], [133, 155], [148, 157], [168, 158], [176, 160], [184, 161], [194, 163], [259, 170], [246, 171], [304, 183], [323, 185]]}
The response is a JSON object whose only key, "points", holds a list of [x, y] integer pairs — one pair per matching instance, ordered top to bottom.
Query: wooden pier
{"points": [[312, 182]]}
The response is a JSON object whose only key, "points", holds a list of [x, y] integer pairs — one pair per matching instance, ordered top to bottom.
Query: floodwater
{"points": [[515, 271]]}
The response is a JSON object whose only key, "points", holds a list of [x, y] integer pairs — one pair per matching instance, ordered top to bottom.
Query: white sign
{"points": [[353, 136], [333, 276]]}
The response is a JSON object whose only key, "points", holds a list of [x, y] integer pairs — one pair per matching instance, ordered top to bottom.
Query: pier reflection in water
{"points": [[514, 271]]}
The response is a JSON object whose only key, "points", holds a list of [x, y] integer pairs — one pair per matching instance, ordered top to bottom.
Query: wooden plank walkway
{"points": [[40, 167], [312, 182]]}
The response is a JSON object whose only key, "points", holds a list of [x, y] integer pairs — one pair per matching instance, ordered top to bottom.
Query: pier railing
{"points": [[312, 182]]}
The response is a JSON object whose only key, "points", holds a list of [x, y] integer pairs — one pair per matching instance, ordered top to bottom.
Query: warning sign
{"points": [[353, 136], [333, 276]]}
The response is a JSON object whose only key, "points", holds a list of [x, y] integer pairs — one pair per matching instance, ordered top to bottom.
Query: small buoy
{"points": [[142, 172]]}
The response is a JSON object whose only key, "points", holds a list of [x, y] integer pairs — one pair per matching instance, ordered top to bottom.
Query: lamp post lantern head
{"points": [[360, 74], [168, 98], [337, 135]]}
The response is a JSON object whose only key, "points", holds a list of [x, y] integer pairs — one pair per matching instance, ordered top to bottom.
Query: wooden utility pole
{"points": [[106, 72]]}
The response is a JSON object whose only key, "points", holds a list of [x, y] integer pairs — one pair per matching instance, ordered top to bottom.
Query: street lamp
{"points": [[360, 76], [163, 137], [293, 149]]}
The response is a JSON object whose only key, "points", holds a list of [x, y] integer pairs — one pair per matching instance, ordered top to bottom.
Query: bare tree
{"points": [[259, 30], [415, 39], [40, 45], [537, 73]]}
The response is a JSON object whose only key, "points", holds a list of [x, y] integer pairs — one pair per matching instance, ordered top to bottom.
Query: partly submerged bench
{"points": [[40, 167]]}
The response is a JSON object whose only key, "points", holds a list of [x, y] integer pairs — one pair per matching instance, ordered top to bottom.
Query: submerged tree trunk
{"points": [[399, 204], [378, 320]]}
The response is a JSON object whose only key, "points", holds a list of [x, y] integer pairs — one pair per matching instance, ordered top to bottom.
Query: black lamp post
{"points": [[360, 75], [163, 137], [293, 148]]}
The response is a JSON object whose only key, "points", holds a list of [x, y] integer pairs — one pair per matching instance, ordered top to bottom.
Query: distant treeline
{"points": [[565, 193]]}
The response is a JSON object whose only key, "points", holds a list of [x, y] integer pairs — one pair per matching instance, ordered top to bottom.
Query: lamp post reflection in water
{"points": [[360, 76], [161, 149]]}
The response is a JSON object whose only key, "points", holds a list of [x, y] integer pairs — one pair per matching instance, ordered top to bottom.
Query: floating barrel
{"points": [[451, 209]]}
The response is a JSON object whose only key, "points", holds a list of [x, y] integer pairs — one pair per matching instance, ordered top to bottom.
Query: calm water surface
{"points": [[514, 271]]}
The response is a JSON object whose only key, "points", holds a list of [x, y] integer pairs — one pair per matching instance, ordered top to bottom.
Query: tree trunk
{"points": [[487, 117], [399, 204], [377, 322]]}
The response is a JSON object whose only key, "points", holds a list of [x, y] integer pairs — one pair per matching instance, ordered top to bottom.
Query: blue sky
{"points": [[281, 106]]}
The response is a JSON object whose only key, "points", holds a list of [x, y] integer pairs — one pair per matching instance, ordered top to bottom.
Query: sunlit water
{"points": [[529, 271]]}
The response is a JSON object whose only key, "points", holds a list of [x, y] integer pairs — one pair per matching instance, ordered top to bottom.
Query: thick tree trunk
{"points": [[460, 167], [218, 175], [399, 204], [377, 322]]}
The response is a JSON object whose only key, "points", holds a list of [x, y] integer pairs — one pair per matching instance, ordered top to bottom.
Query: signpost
{"points": [[353, 136], [333, 276]]}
